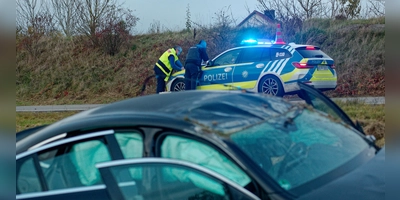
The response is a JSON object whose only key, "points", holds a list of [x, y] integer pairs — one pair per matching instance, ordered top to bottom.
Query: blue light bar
{"points": [[249, 41], [256, 41]]}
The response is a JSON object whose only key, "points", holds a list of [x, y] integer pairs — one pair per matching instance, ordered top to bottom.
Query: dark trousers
{"points": [[192, 72], [160, 76]]}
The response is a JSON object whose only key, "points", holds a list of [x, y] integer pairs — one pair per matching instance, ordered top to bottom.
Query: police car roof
{"points": [[221, 112]]}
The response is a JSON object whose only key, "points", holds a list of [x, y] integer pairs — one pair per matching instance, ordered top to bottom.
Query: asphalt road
{"points": [[58, 108]]}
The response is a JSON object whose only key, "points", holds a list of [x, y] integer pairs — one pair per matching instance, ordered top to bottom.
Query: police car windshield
{"points": [[311, 53]]}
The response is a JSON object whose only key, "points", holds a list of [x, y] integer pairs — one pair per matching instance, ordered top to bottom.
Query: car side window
{"points": [[277, 54], [251, 55], [266, 55], [227, 58], [131, 144], [196, 152], [65, 166], [27, 179], [168, 181]]}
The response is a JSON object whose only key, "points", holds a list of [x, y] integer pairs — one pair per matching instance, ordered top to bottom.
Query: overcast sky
{"points": [[172, 14]]}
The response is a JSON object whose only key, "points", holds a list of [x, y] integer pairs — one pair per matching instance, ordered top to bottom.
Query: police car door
{"points": [[251, 63], [218, 75]]}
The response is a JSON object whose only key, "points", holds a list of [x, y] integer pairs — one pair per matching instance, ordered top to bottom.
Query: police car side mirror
{"points": [[209, 63]]}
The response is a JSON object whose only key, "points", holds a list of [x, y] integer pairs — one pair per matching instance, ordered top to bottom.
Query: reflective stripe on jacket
{"points": [[163, 62]]}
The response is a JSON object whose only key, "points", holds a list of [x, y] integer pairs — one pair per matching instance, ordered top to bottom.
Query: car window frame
{"points": [[65, 141], [110, 142], [34, 154], [104, 169], [64, 192]]}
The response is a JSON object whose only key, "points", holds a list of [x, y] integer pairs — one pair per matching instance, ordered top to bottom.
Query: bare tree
{"points": [[376, 7], [310, 8], [332, 8], [349, 8], [353, 8], [284, 9], [287, 9], [27, 11], [91, 13], [66, 14], [224, 17], [34, 21], [155, 27], [115, 28], [222, 29]]}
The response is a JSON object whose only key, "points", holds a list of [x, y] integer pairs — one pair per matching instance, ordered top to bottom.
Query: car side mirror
{"points": [[209, 63]]}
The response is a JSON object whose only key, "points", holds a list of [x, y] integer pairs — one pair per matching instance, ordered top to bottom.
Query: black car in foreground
{"points": [[202, 145]]}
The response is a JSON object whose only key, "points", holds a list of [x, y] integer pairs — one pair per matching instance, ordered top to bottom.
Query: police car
{"points": [[271, 68]]}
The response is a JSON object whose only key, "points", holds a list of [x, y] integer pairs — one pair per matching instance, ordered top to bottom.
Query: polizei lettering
{"points": [[215, 77]]}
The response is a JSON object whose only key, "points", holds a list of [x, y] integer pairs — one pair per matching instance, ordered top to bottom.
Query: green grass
{"points": [[371, 118], [25, 120]]}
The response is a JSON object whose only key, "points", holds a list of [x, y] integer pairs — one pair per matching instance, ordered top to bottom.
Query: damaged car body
{"points": [[223, 144]]}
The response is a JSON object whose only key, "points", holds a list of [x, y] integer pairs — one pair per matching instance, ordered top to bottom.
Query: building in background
{"points": [[257, 18]]}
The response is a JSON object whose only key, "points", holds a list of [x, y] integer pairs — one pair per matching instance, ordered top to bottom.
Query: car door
{"points": [[249, 66], [218, 74], [67, 167], [161, 178]]}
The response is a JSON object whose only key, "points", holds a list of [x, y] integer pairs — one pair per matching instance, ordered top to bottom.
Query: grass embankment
{"points": [[58, 70], [371, 117], [27, 120]]}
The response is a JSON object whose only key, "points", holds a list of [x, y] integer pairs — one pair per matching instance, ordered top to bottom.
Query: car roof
{"points": [[218, 112]]}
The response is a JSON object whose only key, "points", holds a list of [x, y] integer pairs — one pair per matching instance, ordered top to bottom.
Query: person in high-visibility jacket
{"points": [[166, 63]]}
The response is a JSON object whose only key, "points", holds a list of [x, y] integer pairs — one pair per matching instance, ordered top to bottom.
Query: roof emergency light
{"points": [[278, 37], [256, 41], [264, 41], [249, 42]]}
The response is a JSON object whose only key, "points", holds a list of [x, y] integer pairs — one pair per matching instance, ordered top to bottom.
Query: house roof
{"points": [[255, 13]]}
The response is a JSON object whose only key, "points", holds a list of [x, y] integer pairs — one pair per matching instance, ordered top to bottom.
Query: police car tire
{"points": [[272, 78], [179, 81]]}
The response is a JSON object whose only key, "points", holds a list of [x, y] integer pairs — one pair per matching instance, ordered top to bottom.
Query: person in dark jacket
{"points": [[195, 56], [166, 63]]}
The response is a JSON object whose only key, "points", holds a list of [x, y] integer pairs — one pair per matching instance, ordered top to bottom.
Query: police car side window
{"points": [[280, 54], [251, 55], [266, 55], [227, 58]]}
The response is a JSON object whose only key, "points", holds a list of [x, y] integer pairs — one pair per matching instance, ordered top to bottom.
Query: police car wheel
{"points": [[178, 85], [271, 85]]}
